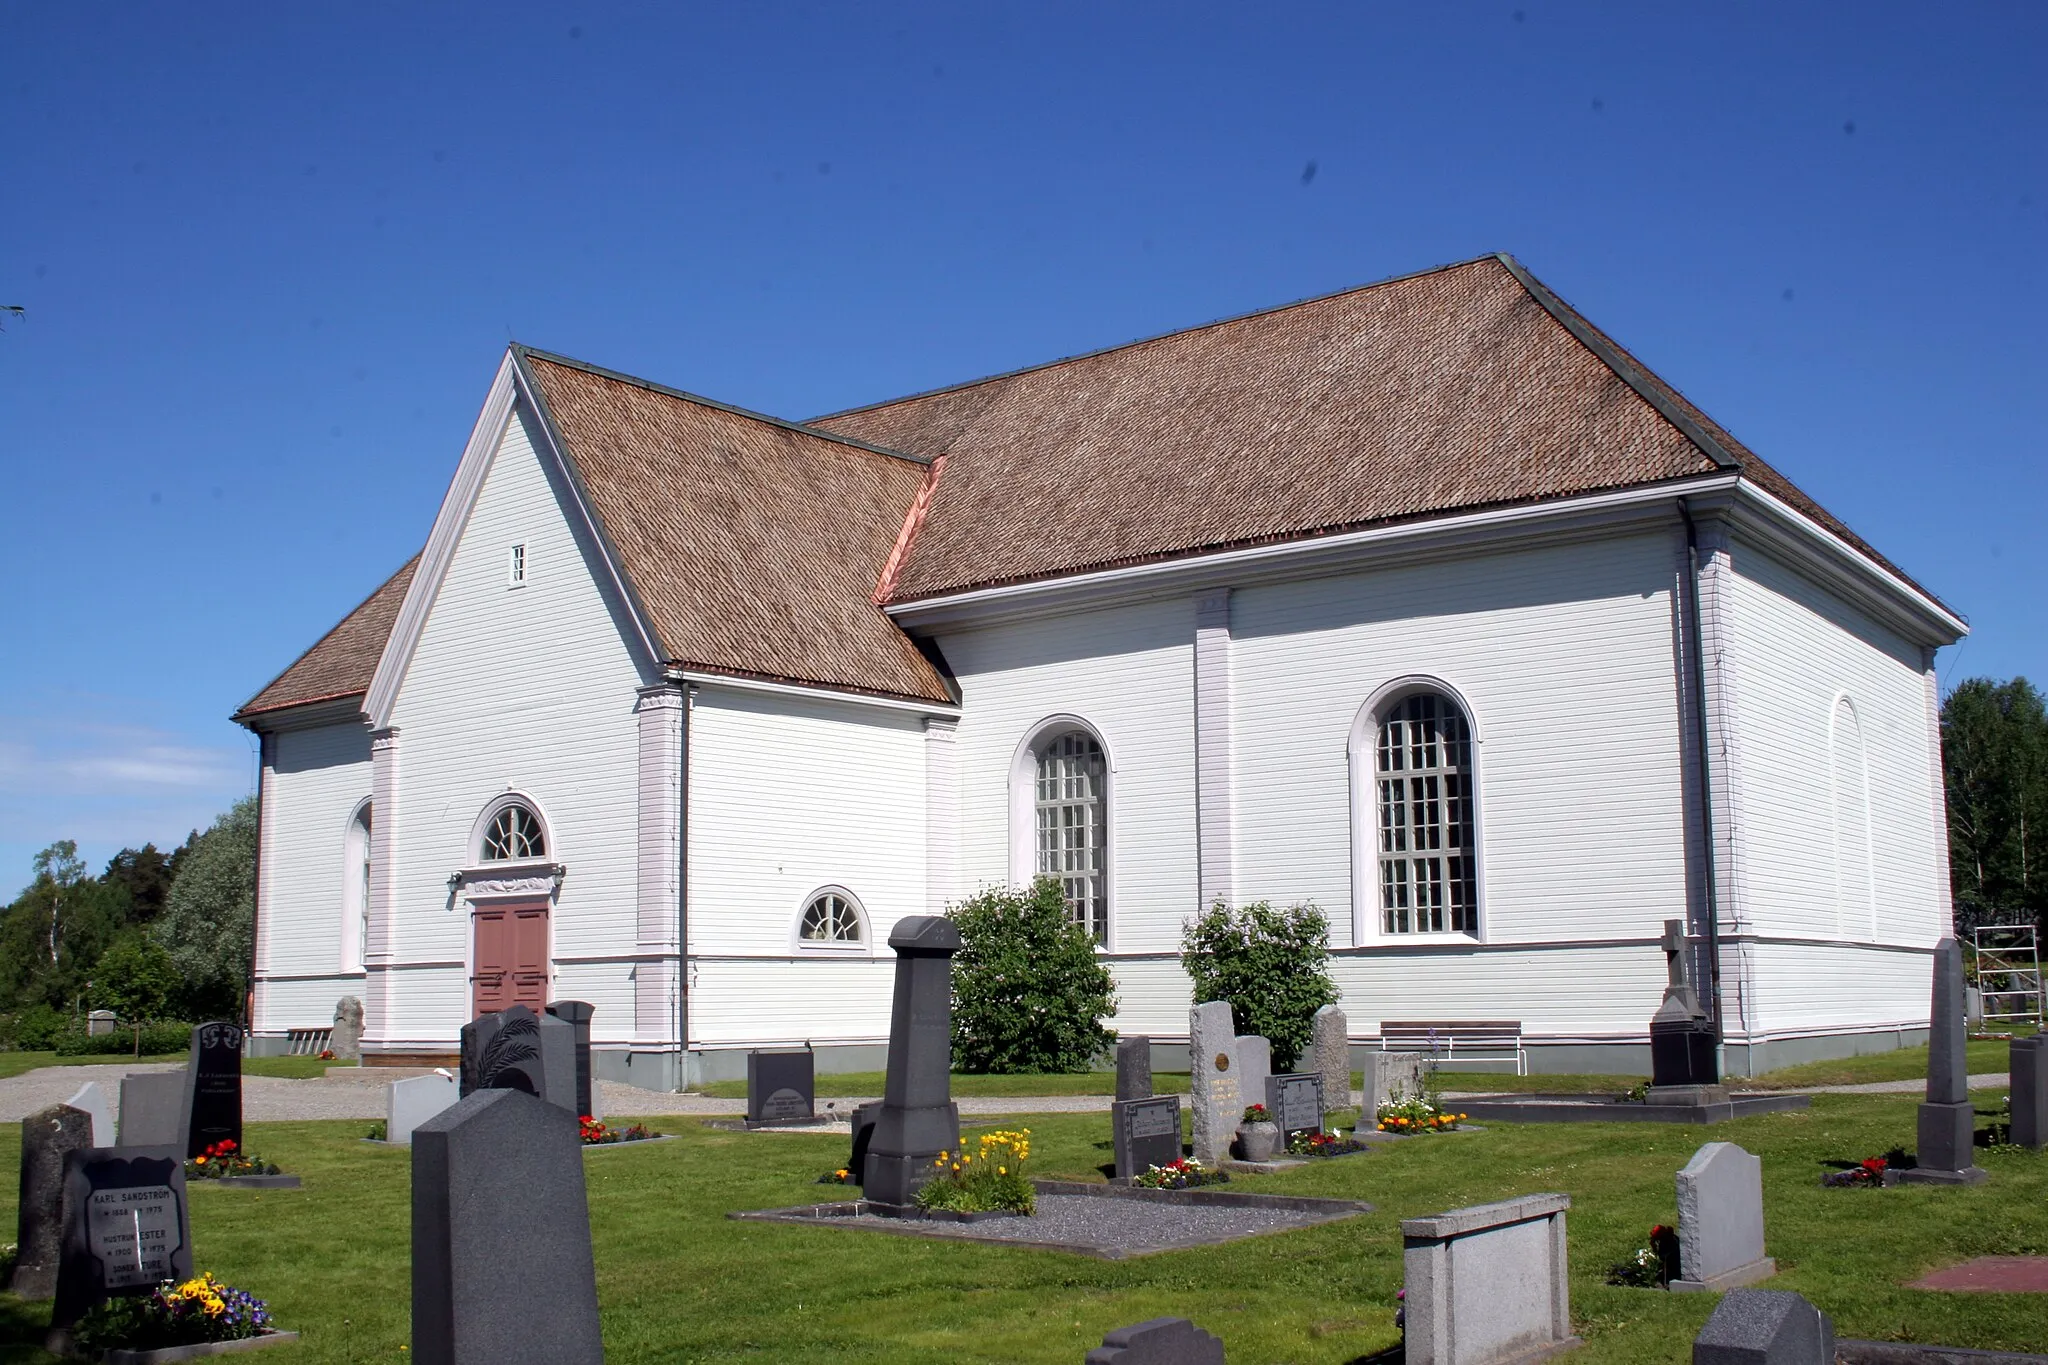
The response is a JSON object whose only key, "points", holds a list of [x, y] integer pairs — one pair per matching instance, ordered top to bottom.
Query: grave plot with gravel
{"points": [[1111, 1222]]}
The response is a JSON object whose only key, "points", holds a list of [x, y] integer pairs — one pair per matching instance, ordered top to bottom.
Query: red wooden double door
{"points": [[511, 958]]}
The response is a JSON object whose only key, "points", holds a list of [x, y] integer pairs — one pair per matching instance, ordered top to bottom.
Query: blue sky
{"points": [[270, 255]]}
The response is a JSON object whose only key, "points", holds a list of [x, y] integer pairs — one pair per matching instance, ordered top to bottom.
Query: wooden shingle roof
{"points": [[342, 661]]}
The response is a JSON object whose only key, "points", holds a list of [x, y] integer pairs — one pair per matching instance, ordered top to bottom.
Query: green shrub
{"points": [[1271, 965], [136, 979], [1029, 994], [39, 1028], [157, 1038]]}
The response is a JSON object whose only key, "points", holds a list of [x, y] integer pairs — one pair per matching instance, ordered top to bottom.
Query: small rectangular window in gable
{"points": [[515, 568]]}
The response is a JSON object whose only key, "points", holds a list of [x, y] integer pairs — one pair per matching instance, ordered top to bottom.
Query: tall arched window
{"points": [[1422, 770], [1070, 807], [514, 834], [1855, 887], [355, 891]]}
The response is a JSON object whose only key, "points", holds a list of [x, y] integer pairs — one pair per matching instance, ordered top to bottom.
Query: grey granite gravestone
{"points": [[577, 1015], [99, 1022], [477, 1037], [345, 1039], [514, 1050], [1330, 1055], [2027, 1060], [558, 1062], [1685, 1063], [1254, 1066], [1134, 1068], [1391, 1076], [782, 1087], [1215, 1096], [93, 1101], [412, 1101], [1295, 1101], [213, 1103], [153, 1110], [864, 1116], [918, 1119], [1948, 1126], [1147, 1134], [46, 1136], [1721, 1220], [126, 1229], [501, 1263], [1487, 1285], [1765, 1327], [1162, 1341]]}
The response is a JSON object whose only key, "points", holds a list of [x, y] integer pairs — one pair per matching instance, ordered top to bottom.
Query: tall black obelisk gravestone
{"points": [[576, 1013], [1685, 1066], [213, 1104], [918, 1119], [1948, 1126]]}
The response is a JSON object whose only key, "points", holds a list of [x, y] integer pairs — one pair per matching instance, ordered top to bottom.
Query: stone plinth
{"points": [[918, 1119], [1947, 1126], [1487, 1285]]}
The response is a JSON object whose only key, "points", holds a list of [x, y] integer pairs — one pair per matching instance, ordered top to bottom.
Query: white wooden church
{"points": [[1424, 602]]}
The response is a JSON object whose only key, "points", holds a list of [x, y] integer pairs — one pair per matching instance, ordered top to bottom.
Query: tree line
{"points": [[1994, 746]]}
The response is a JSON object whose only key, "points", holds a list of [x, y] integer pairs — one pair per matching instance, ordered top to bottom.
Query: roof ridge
{"points": [[1226, 321], [669, 391]]}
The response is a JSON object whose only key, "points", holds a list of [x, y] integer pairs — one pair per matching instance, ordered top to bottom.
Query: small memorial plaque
{"points": [[781, 1087], [1296, 1102], [214, 1109], [1147, 1134], [126, 1229]]}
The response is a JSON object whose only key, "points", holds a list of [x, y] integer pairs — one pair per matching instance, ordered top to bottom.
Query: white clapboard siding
{"points": [[1798, 653], [1564, 655], [1127, 671], [530, 689], [317, 779], [789, 795], [1833, 988], [771, 1002]]}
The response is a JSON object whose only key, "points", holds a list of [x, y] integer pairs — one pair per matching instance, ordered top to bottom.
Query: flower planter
{"points": [[1259, 1141], [164, 1355]]}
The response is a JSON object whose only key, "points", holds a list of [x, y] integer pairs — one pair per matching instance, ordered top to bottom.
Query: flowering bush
{"points": [[1271, 965], [1029, 993], [326, 1054], [1256, 1113], [1415, 1114], [597, 1133], [1307, 1143], [224, 1159], [1869, 1171], [1184, 1174], [842, 1176], [990, 1178], [1651, 1267], [199, 1310]]}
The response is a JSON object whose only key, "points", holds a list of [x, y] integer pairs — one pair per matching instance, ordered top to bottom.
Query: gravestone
{"points": [[576, 1014], [99, 1022], [477, 1036], [345, 1039], [516, 1049], [1330, 1053], [1684, 1058], [2028, 1061], [558, 1063], [1254, 1067], [1134, 1068], [1391, 1076], [781, 1088], [1215, 1097], [93, 1101], [412, 1101], [1295, 1101], [213, 1105], [153, 1110], [864, 1116], [918, 1119], [1147, 1134], [46, 1137], [1947, 1153], [1721, 1220], [125, 1226], [501, 1261], [1487, 1284], [1765, 1327], [1162, 1341]]}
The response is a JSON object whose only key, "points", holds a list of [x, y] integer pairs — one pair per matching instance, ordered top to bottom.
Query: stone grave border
{"points": [[1567, 1108], [590, 1147], [246, 1182], [826, 1215], [167, 1355]]}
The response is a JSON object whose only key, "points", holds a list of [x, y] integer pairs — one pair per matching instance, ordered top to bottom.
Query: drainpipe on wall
{"points": [[1695, 640]]}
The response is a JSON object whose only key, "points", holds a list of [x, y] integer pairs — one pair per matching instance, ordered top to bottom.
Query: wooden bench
{"points": [[1453, 1039], [308, 1042]]}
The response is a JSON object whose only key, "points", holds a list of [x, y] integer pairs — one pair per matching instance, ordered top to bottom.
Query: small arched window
{"points": [[1071, 806], [514, 834], [1428, 873], [831, 920]]}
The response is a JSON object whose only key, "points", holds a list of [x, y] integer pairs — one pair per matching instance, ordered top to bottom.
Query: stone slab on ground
{"points": [[1616, 1109], [1990, 1275], [1162, 1341], [170, 1355]]}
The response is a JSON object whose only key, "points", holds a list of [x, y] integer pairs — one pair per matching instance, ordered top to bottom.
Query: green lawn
{"points": [[16, 1063], [1900, 1064], [846, 1083], [680, 1282]]}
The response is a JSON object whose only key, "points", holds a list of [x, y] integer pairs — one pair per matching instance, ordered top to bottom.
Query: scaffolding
{"points": [[2009, 972]]}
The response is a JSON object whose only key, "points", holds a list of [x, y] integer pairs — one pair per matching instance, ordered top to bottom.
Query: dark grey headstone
{"points": [[576, 1014], [477, 1036], [1684, 1049], [507, 1054], [2028, 1059], [558, 1062], [1134, 1068], [782, 1087], [1295, 1100], [153, 1110], [214, 1110], [864, 1116], [918, 1119], [1947, 1126], [1147, 1134], [46, 1136], [125, 1226], [501, 1261], [1765, 1327], [1162, 1341]]}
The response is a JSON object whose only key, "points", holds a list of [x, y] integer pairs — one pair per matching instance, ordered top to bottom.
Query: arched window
{"points": [[1422, 771], [1071, 819], [514, 834], [1855, 887], [355, 890], [831, 921]]}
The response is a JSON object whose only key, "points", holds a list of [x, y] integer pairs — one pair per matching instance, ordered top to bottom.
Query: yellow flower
{"points": [[1002, 1170]]}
